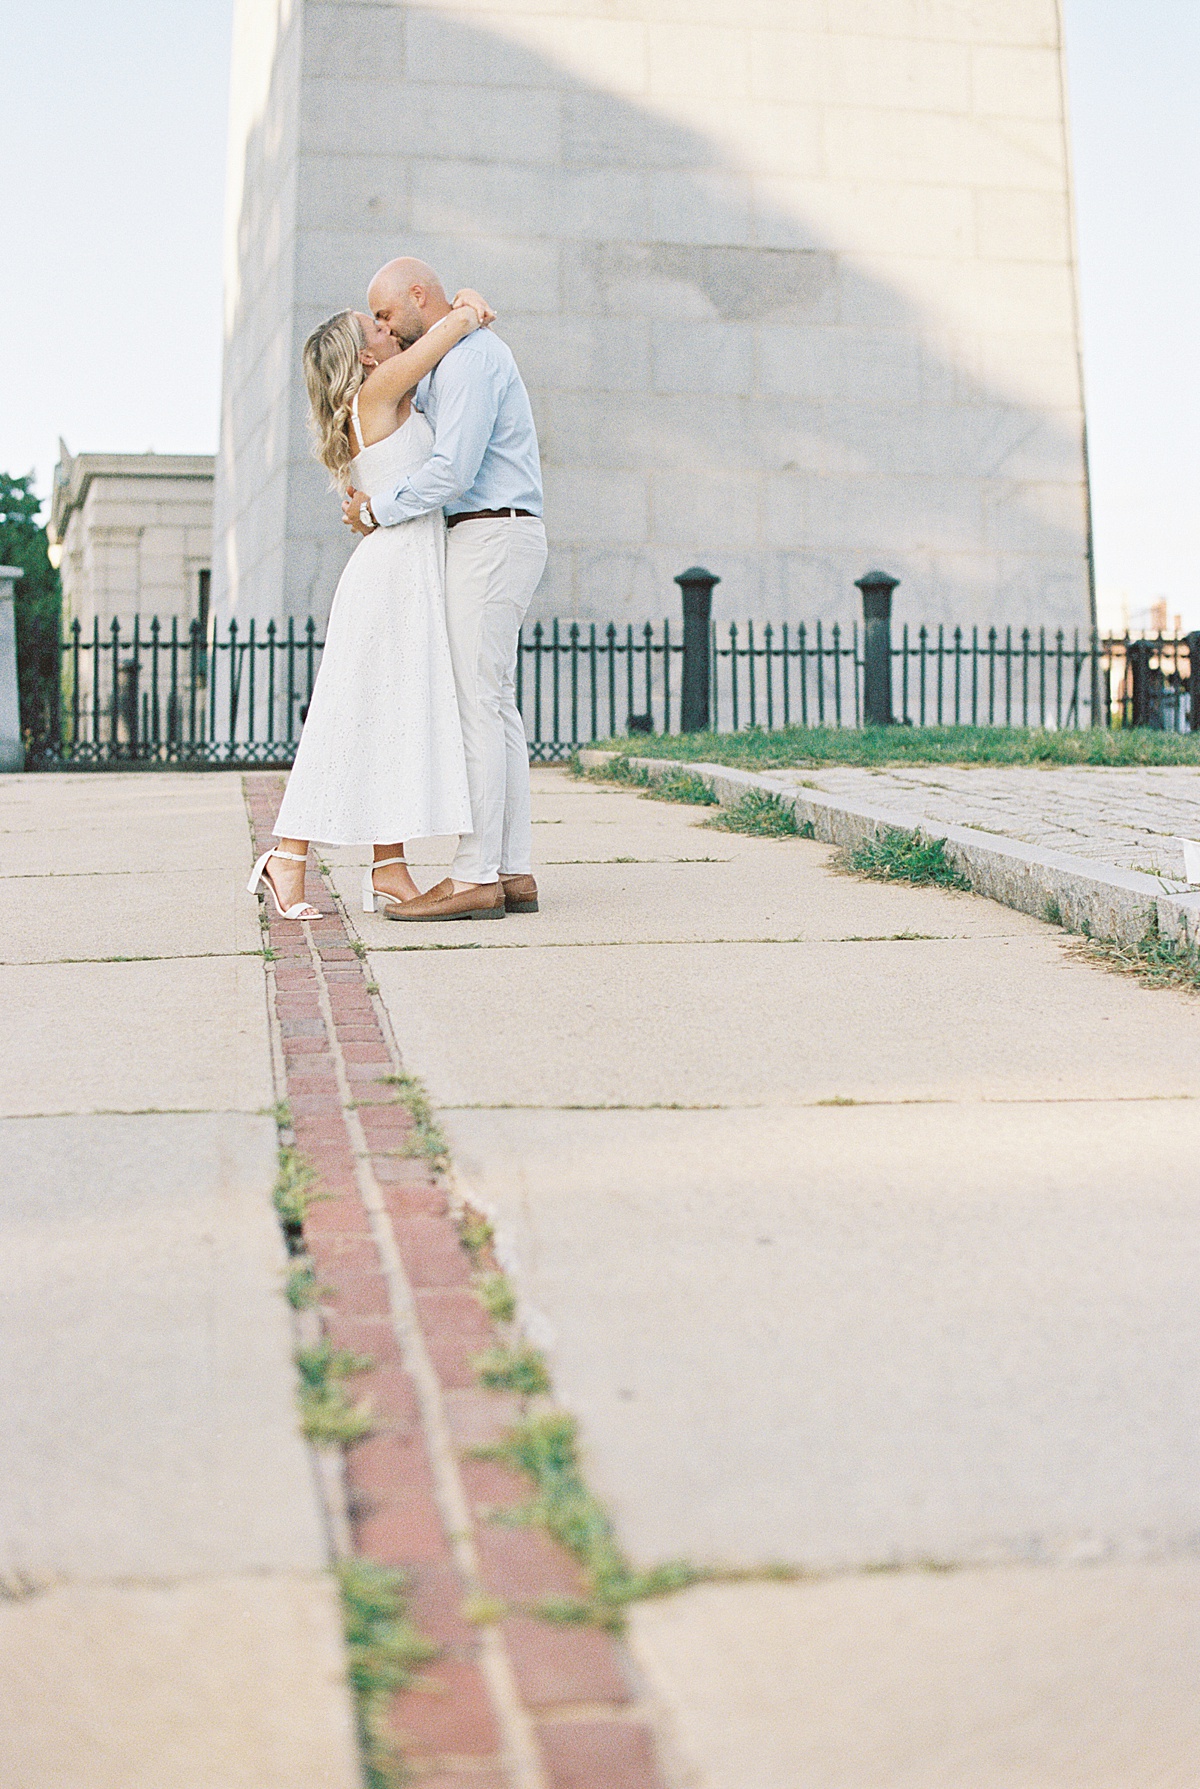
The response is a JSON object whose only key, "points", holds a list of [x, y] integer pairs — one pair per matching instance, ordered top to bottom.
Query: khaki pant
{"points": [[492, 571]]}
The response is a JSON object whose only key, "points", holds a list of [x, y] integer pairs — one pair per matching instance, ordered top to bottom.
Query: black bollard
{"points": [[877, 590], [1192, 642], [1145, 686], [694, 706]]}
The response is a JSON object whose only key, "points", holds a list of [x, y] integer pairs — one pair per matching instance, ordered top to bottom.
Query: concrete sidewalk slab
{"points": [[121, 823], [692, 884], [160, 913], [764, 1024], [178, 1034], [845, 1337], [145, 1353], [162, 1542], [1014, 1679], [232, 1683]]}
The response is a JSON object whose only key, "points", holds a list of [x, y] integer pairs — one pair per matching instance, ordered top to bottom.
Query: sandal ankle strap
{"points": [[292, 856], [381, 863]]}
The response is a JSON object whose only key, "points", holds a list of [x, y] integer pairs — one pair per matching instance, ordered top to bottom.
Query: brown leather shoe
{"points": [[520, 894], [441, 902]]}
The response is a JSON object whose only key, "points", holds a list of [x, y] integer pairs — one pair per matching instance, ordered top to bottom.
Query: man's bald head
{"points": [[407, 296]]}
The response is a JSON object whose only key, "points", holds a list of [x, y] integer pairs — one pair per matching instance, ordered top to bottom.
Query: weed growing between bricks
{"points": [[903, 857], [427, 1138], [293, 1193], [302, 1289], [497, 1296], [521, 1369], [330, 1418], [544, 1448], [386, 1651]]}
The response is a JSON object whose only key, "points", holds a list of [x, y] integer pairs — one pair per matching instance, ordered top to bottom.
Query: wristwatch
{"points": [[367, 514]]}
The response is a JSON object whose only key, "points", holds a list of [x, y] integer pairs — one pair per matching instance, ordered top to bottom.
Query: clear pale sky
{"points": [[112, 136]]}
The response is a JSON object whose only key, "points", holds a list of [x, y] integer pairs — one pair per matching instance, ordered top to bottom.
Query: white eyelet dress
{"points": [[380, 759]]}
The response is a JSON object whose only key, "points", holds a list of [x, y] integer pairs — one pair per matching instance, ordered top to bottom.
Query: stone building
{"points": [[792, 284], [133, 534]]}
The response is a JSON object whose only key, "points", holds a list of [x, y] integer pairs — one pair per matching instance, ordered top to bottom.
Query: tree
{"points": [[38, 601]]}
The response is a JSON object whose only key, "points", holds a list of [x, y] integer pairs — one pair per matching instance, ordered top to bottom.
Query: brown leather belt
{"points": [[491, 515]]}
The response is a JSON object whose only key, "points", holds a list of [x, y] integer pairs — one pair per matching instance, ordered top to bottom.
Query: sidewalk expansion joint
{"points": [[693, 943], [390, 1295]]}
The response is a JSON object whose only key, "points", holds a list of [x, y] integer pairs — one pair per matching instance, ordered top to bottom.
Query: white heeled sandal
{"points": [[374, 900], [298, 909]]}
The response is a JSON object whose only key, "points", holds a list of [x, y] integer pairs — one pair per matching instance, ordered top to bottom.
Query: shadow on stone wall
{"points": [[763, 406]]}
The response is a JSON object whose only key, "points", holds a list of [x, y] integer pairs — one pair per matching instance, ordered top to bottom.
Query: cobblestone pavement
{"points": [[1132, 818]]}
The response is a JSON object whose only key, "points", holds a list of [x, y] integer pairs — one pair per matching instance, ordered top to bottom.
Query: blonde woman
{"points": [[380, 759]]}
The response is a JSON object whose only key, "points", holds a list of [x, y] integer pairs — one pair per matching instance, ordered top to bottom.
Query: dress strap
{"points": [[357, 426]]}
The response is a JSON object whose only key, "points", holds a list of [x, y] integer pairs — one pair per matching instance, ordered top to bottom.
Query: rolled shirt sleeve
{"points": [[468, 402]]}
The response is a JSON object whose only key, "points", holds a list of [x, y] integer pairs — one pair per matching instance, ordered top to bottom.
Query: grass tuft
{"points": [[620, 770], [675, 785], [682, 786], [761, 815], [904, 857], [1156, 962], [427, 1138], [293, 1192], [475, 1233], [303, 1289], [497, 1297], [521, 1369], [329, 1417], [545, 1449], [385, 1653]]}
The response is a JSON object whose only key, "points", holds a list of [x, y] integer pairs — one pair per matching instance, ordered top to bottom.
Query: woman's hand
{"points": [[476, 302], [357, 513]]}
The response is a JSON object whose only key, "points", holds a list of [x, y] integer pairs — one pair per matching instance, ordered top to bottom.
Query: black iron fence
{"points": [[578, 682], [166, 694], [172, 694]]}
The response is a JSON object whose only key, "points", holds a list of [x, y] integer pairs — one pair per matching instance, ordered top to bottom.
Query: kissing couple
{"points": [[420, 415]]}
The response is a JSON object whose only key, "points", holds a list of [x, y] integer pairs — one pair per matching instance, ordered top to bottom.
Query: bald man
{"points": [[485, 473]]}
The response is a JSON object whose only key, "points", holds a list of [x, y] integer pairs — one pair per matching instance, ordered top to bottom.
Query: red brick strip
{"points": [[521, 1704]]}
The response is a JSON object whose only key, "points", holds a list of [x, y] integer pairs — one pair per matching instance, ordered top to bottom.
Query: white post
{"points": [[12, 751]]}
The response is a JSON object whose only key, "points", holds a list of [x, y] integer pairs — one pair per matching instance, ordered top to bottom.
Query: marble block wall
{"points": [[791, 282]]}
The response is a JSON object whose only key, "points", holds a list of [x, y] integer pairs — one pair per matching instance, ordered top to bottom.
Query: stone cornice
{"points": [[74, 474]]}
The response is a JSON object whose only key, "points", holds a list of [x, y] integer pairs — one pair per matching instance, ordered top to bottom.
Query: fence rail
{"points": [[169, 694]]}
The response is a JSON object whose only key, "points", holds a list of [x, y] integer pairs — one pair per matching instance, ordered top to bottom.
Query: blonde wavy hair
{"points": [[333, 372]]}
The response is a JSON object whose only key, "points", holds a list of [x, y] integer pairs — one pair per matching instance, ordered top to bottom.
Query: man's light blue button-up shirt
{"points": [[485, 451]]}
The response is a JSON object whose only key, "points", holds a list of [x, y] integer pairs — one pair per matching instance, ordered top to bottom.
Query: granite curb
{"points": [[1098, 899], [515, 1703]]}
